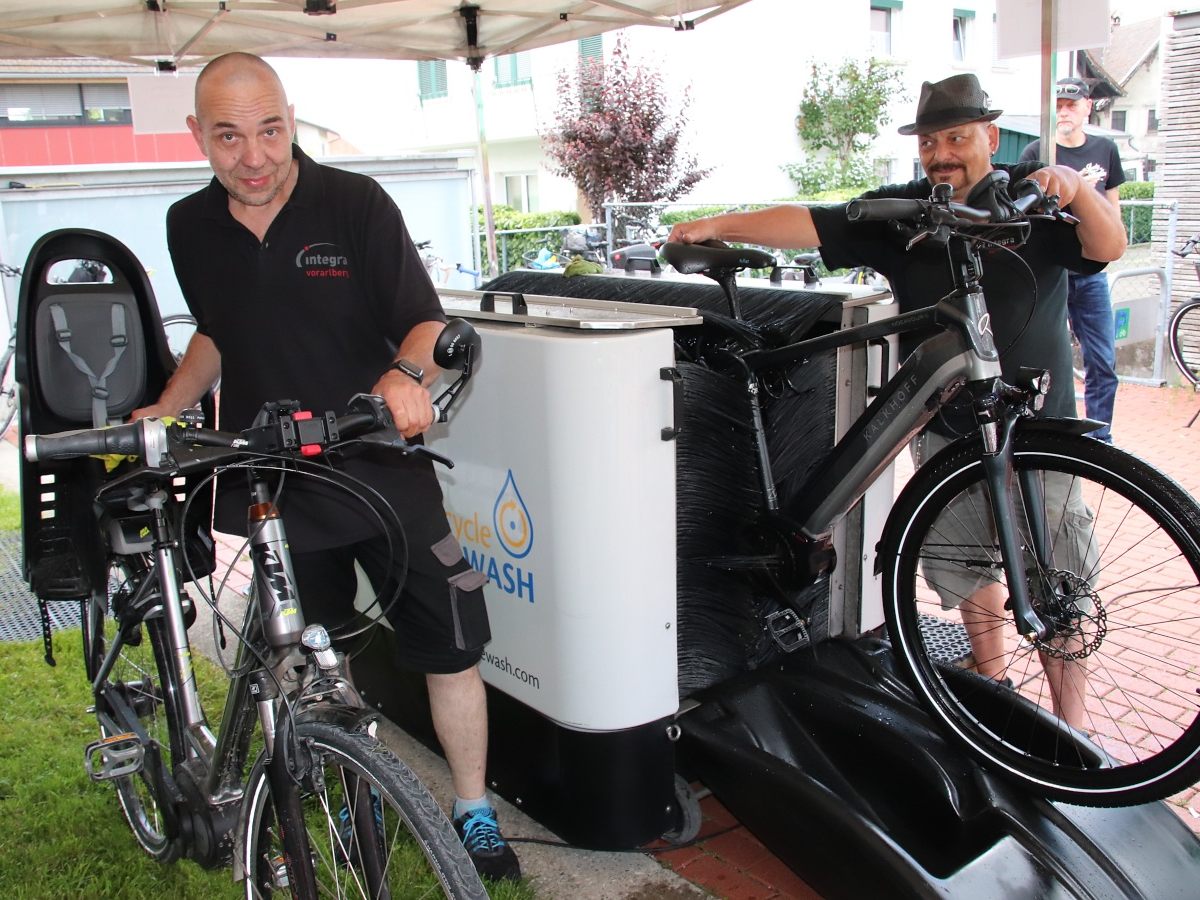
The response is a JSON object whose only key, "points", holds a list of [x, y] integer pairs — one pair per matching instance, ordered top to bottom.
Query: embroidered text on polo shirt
{"points": [[323, 260]]}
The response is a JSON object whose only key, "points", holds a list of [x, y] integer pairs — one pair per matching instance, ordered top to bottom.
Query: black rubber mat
{"points": [[19, 619]]}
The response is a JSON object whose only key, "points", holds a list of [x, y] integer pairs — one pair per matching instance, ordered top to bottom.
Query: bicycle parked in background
{"points": [[437, 268], [1183, 335], [8, 380], [326, 809]]}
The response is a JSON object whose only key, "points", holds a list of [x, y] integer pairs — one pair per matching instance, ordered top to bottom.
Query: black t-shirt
{"points": [[1094, 150], [313, 313], [1026, 333]]}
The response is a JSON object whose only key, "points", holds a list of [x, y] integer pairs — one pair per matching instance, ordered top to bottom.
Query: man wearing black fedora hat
{"points": [[956, 137], [1089, 305]]}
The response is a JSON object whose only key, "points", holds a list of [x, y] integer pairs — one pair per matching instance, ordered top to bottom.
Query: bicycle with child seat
{"points": [[1183, 335], [1094, 555], [326, 809]]}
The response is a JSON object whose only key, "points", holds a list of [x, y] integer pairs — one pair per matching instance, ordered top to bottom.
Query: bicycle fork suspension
{"points": [[998, 472], [287, 769]]}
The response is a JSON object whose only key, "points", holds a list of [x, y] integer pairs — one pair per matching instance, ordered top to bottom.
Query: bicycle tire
{"points": [[177, 324], [1184, 340], [8, 384], [1128, 588], [142, 676], [424, 854]]}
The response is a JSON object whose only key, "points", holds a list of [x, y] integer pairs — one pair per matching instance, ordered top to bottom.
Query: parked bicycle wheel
{"points": [[179, 328], [1184, 339], [8, 384], [1121, 593], [140, 681], [373, 828]]}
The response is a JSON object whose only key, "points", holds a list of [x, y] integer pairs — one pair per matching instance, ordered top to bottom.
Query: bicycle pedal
{"points": [[787, 630], [116, 756]]}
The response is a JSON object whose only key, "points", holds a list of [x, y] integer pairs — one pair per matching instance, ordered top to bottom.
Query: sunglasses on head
{"points": [[1071, 90]]}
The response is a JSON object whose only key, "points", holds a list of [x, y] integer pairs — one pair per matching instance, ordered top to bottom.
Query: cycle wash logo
{"points": [[322, 260], [510, 530], [502, 664]]}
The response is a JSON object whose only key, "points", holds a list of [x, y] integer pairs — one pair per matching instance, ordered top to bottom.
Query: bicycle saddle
{"points": [[712, 256]]}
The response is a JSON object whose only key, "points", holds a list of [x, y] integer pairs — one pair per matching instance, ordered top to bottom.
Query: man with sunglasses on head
{"points": [[1089, 305]]}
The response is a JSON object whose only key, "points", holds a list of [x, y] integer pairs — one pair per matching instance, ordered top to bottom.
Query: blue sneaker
{"points": [[480, 834], [345, 848]]}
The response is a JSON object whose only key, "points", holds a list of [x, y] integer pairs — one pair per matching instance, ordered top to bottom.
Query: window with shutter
{"points": [[591, 47], [512, 69], [431, 78], [40, 103], [107, 103]]}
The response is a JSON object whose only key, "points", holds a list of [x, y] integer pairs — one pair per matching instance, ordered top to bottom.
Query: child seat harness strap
{"points": [[119, 342]]}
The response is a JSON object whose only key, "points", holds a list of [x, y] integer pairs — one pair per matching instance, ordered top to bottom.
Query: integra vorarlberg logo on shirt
{"points": [[323, 260]]}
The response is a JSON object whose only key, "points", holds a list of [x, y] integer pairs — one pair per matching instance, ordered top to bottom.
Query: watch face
{"points": [[413, 372]]}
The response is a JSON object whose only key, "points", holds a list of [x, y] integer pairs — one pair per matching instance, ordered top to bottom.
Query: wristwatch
{"points": [[413, 371]]}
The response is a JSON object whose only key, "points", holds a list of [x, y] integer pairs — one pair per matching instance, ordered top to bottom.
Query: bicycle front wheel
{"points": [[1184, 339], [137, 694], [1103, 711], [403, 847]]}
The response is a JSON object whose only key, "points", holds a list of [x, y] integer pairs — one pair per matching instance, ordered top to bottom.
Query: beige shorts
{"points": [[967, 556]]}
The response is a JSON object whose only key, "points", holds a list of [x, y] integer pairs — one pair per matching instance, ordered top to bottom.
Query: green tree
{"points": [[841, 111], [617, 134]]}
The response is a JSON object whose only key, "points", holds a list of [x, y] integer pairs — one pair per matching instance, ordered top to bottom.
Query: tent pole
{"points": [[1049, 133], [486, 176]]}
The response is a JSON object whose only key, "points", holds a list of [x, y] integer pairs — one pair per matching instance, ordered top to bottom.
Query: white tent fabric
{"points": [[192, 31]]}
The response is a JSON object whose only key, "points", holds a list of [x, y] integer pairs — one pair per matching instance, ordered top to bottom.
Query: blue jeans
{"points": [[1090, 310]]}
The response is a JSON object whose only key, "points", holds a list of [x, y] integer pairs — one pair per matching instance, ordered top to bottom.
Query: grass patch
{"points": [[10, 510], [64, 836]]}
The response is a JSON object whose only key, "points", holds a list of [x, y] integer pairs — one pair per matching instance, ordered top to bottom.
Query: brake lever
{"points": [[391, 439]]}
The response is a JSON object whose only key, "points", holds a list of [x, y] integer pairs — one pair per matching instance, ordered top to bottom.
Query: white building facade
{"points": [[746, 70]]}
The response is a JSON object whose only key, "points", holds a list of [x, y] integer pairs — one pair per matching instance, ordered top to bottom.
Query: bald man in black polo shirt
{"points": [[306, 285]]}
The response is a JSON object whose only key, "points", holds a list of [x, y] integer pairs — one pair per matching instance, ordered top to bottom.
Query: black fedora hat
{"points": [[952, 101]]}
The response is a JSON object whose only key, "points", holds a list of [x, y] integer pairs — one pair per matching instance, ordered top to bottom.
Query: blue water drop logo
{"points": [[514, 526]]}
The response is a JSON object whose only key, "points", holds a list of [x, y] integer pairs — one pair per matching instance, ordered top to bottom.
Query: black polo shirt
{"points": [[313, 313], [1027, 333]]}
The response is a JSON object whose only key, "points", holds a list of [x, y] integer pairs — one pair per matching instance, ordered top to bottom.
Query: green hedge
{"points": [[509, 219], [1138, 219]]}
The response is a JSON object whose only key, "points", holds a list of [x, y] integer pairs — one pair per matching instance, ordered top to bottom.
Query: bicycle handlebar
{"points": [[1028, 196], [1188, 247], [284, 429], [126, 440]]}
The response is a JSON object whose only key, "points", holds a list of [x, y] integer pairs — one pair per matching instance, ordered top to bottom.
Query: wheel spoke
{"points": [[1118, 589]]}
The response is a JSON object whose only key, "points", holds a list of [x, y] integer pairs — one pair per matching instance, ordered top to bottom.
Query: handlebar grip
{"points": [[1027, 194], [883, 209], [126, 440]]}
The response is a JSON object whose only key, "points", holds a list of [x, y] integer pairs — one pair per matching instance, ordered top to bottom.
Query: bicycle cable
{"points": [[1028, 271]]}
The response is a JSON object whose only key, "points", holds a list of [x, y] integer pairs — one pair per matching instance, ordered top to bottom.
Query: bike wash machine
{"points": [[601, 478]]}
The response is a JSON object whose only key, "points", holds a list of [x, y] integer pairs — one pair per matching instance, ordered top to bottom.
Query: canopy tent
{"points": [[172, 32], [169, 33]]}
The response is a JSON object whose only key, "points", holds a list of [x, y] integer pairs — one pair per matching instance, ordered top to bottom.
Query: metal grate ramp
{"points": [[19, 619], [946, 640]]}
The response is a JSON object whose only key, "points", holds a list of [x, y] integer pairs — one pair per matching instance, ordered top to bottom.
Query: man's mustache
{"points": [[944, 167]]}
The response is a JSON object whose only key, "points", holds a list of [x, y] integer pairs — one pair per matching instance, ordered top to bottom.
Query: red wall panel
{"points": [[89, 144]]}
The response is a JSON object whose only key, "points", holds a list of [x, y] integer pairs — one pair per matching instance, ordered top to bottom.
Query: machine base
{"points": [[830, 763], [595, 790]]}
